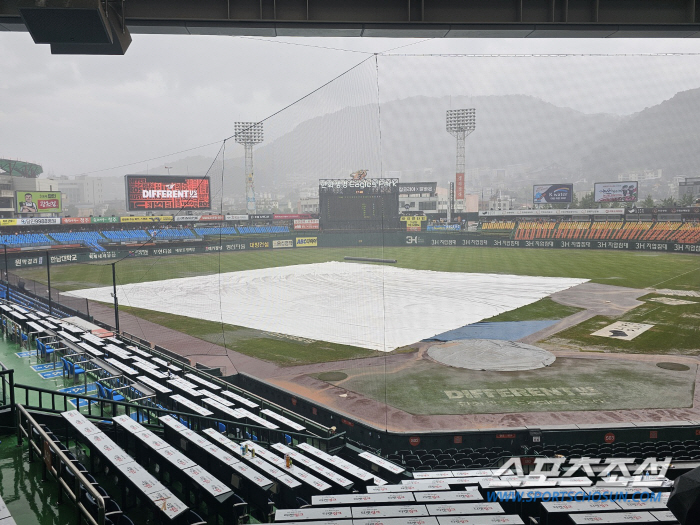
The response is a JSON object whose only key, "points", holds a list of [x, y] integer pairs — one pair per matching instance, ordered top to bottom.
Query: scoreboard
{"points": [[165, 192], [367, 204]]}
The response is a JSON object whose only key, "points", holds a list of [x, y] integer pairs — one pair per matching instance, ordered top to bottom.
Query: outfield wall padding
{"points": [[337, 240]]}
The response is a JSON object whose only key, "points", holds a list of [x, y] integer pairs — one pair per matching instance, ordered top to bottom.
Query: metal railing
{"points": [[7, 402], [56, 402], [56, 463]]}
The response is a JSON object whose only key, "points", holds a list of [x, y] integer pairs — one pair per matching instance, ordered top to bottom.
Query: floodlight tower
{"points": [[460, 123], [249, 134]]}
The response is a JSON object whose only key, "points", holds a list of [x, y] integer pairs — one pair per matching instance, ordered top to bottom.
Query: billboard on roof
{"points": [[616, 191], [552, 193], [38, 202]]}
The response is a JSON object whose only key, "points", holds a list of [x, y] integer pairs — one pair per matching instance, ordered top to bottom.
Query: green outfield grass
{"points": [[631, 269], [637, 270], [542, 310], [676, 330], [277, 348], [569, 384]]}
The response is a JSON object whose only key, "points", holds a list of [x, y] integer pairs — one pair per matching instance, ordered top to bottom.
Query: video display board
{"points": [[616, 191], [165, 192], [552, 193], [38, 202], [367, 204]]}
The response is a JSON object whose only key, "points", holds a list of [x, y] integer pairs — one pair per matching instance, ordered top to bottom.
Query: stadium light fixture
{"points": [[460, 123], [249, 134]]}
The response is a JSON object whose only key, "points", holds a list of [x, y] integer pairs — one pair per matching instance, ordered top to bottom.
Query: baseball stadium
{"points": [[401, 354]]}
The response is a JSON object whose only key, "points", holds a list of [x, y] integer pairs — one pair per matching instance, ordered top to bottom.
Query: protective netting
{"points": [[362, 167]]}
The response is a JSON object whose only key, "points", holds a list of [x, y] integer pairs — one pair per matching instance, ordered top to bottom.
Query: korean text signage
{"points": [[393, 184], [459, 186], [418, 187], [616, 191], [165, 192], [552, 193], [38, 202], [534, 213], [291, 216], [154, 218], [76, 220], [38, 221], [306, 224], [304, 242]]}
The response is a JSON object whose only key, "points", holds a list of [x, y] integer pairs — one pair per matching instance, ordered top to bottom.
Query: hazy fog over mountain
{"points": [[510, 129]]}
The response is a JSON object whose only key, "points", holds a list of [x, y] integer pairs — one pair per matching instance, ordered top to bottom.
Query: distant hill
{"points": [[511, 129], [664, 136]]}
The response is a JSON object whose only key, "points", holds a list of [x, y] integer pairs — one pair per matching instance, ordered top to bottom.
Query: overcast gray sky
{"points": [[76, 114]]}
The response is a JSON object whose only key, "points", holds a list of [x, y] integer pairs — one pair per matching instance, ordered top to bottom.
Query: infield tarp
{"points": [[370, 306], [506, 331]]}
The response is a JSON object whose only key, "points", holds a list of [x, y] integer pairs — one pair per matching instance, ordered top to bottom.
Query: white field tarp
{"points": [[370, 306]]}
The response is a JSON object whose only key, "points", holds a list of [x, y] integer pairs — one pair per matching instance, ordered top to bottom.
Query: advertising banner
{"points": [[326, 185], [418, 187], [459, 187], [616, 191], [165, 192], [552, 193], [38, 202], [650, 211], [534, 213], [291, 216], [236, 217], [261, 217], [153, 218], [413, 218], [76, 220], [104, 220], [38, 221], [8, 222], [413, 222], [306, 224], [444, 227], [306, 242], [287, 243], [258, 245]]}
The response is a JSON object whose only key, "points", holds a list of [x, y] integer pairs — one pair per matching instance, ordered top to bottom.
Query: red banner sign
{"points": [[459, 187], [289, 216], [75, 220], [505, 436]]}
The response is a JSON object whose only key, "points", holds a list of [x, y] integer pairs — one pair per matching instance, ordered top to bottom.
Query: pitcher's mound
{"points": [[491, 354]]}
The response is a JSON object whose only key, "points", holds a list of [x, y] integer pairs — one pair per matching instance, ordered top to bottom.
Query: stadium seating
{"points": [[498, 226], [263, 229], [534, 230], [662, 231], [203, 232], [172, 233], [126, 235], [77, 237], [26, 239], [90, 239]]}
